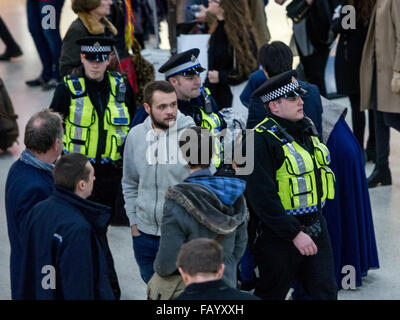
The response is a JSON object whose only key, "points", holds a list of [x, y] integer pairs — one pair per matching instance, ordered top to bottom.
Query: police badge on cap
{"points": [[96, 48], [184, 63]]}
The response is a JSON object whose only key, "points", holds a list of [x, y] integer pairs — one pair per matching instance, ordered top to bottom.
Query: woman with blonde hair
{"points": [[232, 48]]}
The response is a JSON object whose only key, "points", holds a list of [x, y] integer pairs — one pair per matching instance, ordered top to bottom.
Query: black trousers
{"points": [[6, 36], [314, 68], [358, 122], [382, 122], [107, 190], [280, 264]]}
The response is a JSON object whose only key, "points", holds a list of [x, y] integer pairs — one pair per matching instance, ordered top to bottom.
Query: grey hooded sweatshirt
{"points": [[152, 163]]}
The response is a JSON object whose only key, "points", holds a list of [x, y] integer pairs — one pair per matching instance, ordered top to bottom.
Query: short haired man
{"points": [[183, 72], [98, 106], [150, 166], [30, 179], [287, 190], [203, 205], [66, 254], [200, 265]]}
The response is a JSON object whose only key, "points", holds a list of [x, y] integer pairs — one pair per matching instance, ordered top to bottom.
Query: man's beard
{"points": [[159, 124]]}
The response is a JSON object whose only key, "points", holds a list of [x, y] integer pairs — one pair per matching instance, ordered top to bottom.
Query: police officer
{"points": [[183, 72], [98, 106], [289, 186]]}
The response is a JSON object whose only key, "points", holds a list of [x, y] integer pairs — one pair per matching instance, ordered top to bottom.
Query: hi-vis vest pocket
{"points": [[79, 138], [328, 183], [300, 188]]}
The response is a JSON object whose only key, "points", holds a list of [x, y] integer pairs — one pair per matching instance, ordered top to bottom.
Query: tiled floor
{"points": [[379, 284]]}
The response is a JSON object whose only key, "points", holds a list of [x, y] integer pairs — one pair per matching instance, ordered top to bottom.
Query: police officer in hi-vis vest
{"points": [[183, 72], [98, 106], [287, 190]]}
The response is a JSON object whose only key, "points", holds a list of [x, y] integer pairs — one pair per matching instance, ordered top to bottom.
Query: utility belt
{"points": [[311, 224]]}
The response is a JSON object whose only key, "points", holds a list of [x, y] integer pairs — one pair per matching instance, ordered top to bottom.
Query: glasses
{"points": [[294, 95]]}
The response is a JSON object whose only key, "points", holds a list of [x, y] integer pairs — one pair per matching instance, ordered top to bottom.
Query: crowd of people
{"points": [[175, 171]]}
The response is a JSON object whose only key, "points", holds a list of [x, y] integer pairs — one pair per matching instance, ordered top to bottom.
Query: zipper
{"points": [[155, 176]]}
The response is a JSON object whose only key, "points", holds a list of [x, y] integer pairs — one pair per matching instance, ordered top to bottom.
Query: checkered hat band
{"points": [[96, 49], [182, 67], [280, 92]]}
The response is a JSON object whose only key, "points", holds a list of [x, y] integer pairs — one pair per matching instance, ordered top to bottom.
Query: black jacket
{"points": [[348, 54], [221, 59], [262, 191], [213, 290]]}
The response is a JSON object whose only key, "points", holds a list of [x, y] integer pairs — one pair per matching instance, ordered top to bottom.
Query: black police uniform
{"points": [[107, 186], [280, 263]]}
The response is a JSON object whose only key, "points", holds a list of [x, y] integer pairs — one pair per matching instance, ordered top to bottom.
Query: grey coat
{"points": [[193, 211]]}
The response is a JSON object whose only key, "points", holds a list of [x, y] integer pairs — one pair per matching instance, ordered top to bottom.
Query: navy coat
{"points": [[26, 186], [67, 233]]}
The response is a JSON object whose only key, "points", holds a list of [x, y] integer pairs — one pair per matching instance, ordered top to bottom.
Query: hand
{"points": [[309, 2], [202, 14], [213, 76], [396, 82], [134, 231], [305, 244]]}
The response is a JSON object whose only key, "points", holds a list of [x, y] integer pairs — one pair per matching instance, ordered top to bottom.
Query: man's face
{"points": [[103, 10], [94, 70], [186, 87], [288, 108], [163, 109], [88, 188]]}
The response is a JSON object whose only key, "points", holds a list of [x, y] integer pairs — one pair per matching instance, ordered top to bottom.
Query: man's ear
{"points": [[82, 57], [146, 107], [273, 107], [80, 185], [221, 271], [184, 276]]}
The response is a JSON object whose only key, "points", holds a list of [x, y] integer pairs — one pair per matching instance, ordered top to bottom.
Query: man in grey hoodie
{"points": [[152, 163]]}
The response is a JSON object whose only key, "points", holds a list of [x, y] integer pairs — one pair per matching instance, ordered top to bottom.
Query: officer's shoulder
{"points": [[117, 74], [72, 76]]}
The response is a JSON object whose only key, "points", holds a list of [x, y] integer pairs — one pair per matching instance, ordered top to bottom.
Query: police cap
{"points": [[96, 48], [184, 63], [283, 85]]}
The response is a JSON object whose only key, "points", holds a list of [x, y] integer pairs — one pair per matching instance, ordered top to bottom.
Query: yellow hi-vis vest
{"points": [[212, 123], [82, 126], [296, 178]]}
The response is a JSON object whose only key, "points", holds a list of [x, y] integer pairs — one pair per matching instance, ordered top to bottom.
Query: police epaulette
{"points": [[116, 74], [73, 76], [279, 131]]}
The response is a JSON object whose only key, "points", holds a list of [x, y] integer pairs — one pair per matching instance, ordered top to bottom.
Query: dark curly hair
{"points": [[237, 22]]}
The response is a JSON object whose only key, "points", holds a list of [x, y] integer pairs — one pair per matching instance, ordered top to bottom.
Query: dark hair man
{"points": [[183, 72], [98, 106], [150, 166], [30, 178], [287, 190], [66, 254], [200, 264]]}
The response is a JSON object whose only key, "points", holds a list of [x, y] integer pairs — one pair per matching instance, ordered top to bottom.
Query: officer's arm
{"points": [[61, 100], [262, 190]]}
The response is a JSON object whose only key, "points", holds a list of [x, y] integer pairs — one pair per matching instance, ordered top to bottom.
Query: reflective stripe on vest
{"points": [[212, 122], [82, 124], [296, 177]]}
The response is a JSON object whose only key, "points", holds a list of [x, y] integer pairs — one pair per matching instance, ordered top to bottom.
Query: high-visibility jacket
{"points": [[212, 122], [84, 129], [296, 178]]}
